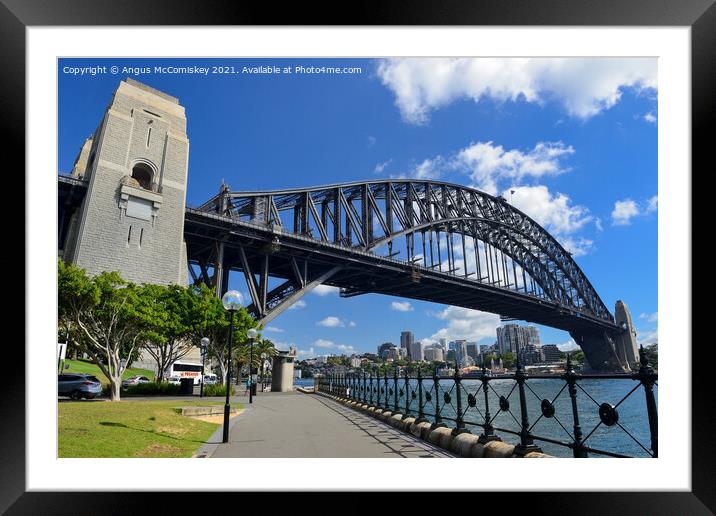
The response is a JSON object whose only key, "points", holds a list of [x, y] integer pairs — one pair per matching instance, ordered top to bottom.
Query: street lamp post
{"points": [[232, 302], [252, 333], [204, 350], [263, 363]]}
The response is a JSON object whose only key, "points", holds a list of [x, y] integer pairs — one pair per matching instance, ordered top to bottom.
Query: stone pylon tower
{"points": [[132, 217], [626, 345]]}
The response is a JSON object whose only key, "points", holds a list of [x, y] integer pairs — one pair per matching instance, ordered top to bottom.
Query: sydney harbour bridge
{"points": [[123, 207], [424, 240]]}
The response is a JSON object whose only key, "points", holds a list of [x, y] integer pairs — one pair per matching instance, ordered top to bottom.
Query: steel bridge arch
{"points": [[350, 214]]}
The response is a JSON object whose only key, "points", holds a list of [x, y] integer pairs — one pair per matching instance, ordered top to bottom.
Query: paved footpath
{"points": [[293, 424]]}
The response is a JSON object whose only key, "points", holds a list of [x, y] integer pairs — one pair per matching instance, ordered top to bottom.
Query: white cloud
{"points": [[583, 86], [650, 117], [371, 141], [490, 165], [380, 167], [652, 204], [554, 212], [623, 212], [598, 224], [577, 246], [325, 290], [298, 304], [401, 306], [650, 317], [330, 322], [463, 323], [352, 324], [273, 329], [647, 337], [329, 344], [570, 345], [305, 353]]}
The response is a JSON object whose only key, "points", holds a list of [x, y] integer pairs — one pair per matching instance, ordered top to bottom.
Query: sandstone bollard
{"points": [[395, 420], [404, 424], [420, 430], [441, 436], [462, 444], [498, 449], [478, 450], [537, 455]]}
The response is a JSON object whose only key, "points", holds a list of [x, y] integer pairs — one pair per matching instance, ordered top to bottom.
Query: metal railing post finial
{"points": [[571, 378], [648, 379], [436, 387], [421, 413], [459, 423], [488, 431], [526, 443]]}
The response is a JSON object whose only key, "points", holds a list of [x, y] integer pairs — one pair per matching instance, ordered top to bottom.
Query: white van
{"points": [[210, 379]]}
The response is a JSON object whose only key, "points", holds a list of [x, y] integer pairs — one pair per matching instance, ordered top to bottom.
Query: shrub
{"points": [[153, 388], [217, 390]]}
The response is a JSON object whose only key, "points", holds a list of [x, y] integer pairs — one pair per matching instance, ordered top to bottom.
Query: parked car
{"points": [[210, 379], [134, 380], [174, 380], [78, 386]]}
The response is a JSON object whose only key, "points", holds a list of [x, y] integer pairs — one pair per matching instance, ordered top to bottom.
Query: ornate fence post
{"points": [[571, 378], [648, 379], [436, 384], [385, 386], [370, 387], [395, 390], [407, 395], [363, 398], [421, 413], [459, 423], [488, 431], [526, 443]]}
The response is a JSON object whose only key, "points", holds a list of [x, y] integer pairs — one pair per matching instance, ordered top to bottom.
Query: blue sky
{"points": [[576, 139]]}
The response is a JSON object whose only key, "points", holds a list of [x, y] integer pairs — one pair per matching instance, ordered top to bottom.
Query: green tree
{"points": [[99, 315], [167, 315], [211, 320], [652, 355], [509, 359]]}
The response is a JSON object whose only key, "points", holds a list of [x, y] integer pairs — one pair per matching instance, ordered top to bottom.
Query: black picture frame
{"points": [[700, 15]]}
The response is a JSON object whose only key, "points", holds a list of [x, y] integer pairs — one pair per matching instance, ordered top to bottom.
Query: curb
{"points": [[463, 444], [207, 449]]}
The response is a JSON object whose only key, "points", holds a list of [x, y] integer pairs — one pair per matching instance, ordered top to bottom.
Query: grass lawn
{"points": [[86, 367], [131, 429]]}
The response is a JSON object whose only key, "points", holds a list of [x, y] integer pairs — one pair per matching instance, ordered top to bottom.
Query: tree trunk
{"points": [[116, 384]]}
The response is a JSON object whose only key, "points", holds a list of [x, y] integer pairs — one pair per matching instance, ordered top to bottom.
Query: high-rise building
{"points": [[513, 338], [406, 341], [443, 344], [383, 349], [460, 350], [472, 350], [417, 351], [551, 353], [434, 354]]}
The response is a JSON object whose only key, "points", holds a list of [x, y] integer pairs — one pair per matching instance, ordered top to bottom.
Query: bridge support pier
{"points": [[600, 351]]}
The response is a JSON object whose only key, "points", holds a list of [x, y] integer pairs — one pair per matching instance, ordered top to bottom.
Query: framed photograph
{"points": [[280, 255]]}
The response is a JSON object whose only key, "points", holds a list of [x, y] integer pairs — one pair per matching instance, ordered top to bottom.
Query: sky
{"points": [[575, 140]]}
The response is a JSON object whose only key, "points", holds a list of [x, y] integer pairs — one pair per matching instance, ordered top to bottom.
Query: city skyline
{"points": [[582, 164]]}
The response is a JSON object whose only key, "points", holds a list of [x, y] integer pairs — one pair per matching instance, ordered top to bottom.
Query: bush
{"points": [[153, 388], [217, 389]]}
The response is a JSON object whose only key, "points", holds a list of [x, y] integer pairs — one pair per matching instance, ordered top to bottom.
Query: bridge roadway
{"points": [[297, 425]]}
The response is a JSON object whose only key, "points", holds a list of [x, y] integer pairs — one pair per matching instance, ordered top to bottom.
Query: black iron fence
{"points": [[599, 414]]}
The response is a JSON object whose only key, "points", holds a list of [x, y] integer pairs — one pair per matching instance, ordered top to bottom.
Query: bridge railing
{"points": [[569, 414]]}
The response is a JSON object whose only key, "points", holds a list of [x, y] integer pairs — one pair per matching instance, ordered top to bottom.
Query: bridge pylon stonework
{"points": [[124, 202]]}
